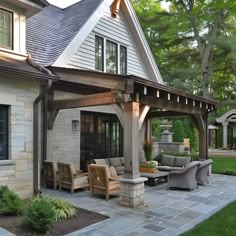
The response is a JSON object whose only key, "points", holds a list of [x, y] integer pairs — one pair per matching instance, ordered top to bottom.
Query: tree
{"points": [[193, 43]]}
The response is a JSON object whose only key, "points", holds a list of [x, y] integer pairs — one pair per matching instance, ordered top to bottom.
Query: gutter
{"points": [[36, 138]]}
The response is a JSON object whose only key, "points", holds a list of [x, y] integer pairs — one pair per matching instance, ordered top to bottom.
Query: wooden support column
{"points": [[201, 121], [131, 139], [132, 185]]}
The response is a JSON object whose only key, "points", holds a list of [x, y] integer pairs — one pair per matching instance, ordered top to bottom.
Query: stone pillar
{"points": [[234, 130], [225, 134], [132, 185]]}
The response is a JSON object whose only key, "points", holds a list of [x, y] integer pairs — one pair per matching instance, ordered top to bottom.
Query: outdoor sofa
{"points": [[170, 163]]}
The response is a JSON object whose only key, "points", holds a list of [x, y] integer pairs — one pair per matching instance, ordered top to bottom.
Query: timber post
{"points": [[132, 185]]}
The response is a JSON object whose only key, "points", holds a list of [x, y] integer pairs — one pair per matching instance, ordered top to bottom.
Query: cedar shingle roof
{"points": [[50, 31]]}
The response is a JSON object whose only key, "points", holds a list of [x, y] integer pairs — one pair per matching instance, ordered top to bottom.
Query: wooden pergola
{"points": [[135, 100]]}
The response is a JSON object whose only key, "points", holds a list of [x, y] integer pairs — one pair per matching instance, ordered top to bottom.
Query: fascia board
{"points": [[87, 28]]}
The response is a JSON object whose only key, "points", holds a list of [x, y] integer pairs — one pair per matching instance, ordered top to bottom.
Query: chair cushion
{"points": [[167, 160], [115, 161], [182, 161], [113, 171], [81, 180]]}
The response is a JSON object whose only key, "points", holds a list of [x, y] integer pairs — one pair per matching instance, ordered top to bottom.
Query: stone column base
{"points": [[132, 192]]}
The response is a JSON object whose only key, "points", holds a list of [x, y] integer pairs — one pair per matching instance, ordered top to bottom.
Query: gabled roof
{"points": [[51, 30], [54, 35]]}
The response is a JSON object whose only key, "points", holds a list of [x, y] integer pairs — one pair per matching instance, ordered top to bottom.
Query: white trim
{"points": [[87, 28]]}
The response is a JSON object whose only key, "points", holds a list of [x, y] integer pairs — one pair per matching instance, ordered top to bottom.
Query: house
{"points": [[19, 87], [106, 90]]}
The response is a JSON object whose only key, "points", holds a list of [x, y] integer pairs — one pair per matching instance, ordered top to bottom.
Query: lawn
{"points": [[222, 163], [222, 223]]}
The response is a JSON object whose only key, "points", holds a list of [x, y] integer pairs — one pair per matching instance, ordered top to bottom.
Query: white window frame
{"points": [[11, 29], [105, 53]]}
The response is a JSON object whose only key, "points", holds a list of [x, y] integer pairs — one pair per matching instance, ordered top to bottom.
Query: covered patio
{"points": [[135, 102], [167, 212]]}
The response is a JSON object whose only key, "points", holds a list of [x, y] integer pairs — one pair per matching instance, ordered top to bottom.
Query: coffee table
{"points": [[155, 178]]}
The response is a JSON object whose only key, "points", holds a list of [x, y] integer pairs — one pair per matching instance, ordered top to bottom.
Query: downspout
{"points": [[36, 138]]}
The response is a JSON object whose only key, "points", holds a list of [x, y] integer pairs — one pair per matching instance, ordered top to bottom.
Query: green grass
{"points": [[220, 164], [220, 224]]}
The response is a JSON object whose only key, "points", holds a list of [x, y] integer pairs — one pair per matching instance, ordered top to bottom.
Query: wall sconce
{"points": [[75, 125]]}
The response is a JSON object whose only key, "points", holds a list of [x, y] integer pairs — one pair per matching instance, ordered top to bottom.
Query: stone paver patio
{"points": [[168, 212]]}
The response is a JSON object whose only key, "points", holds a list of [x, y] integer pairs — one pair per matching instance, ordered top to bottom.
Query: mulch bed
{"points": [[85, 218]]}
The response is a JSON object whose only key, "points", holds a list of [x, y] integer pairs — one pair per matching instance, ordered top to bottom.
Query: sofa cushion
{"points": [[122, 159], [167, 160], [100, 161], [115, 161], [182, 161], [168, 168], [120, 170]]}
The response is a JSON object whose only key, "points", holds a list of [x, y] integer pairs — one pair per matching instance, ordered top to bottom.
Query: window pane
{"points": [[5, 29], [99, 53], [111, 54], [123, 60], [3, 133]]}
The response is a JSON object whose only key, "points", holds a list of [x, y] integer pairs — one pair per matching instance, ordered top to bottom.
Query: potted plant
{"points": [[148, 166]]}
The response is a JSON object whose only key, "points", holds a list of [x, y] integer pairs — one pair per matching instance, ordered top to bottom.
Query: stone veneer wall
{"points": [[63, 143], [17, 172]]}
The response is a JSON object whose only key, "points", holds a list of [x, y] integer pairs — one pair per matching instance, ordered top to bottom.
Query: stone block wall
{"points": [[17, 172]]}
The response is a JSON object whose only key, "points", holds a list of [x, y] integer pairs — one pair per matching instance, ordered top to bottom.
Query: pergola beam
{"points": [[98, 99], [170, 105], [165, 114]]}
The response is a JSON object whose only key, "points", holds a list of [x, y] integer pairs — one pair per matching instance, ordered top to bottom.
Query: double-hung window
{"points": [[6, 29], [99, 55], [110, 57], [123, 60], [3, 132]]}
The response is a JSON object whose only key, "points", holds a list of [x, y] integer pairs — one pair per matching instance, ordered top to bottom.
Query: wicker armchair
{"points": [[202, 172], [50, 174], [185, 178], [69, 179], [101, 181]]}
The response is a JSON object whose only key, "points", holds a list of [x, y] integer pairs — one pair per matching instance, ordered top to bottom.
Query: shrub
{"points": [[178, 131], [229, 172], [10, 202], [63, 210], [39, 215]]}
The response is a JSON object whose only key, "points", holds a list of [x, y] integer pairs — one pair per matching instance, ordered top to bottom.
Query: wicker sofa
{"points": [[117, 162], [170, 163]]}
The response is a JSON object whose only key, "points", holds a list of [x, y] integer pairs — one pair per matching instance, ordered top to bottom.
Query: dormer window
{"points": [[6, 29], [110, 57]]}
